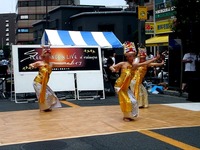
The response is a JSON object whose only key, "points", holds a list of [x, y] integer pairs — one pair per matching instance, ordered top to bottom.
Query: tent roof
{"points": [[80, 38], [157, 41]]}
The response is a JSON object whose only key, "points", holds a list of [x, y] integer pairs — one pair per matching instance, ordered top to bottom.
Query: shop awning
{"points": [[80, 38], [157, 41]]}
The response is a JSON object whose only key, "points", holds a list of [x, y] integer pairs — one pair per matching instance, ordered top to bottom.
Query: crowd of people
{"points": [[5, 71]]}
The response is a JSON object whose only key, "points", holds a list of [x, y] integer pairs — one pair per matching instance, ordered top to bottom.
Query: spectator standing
{"points": [[113, 58], [189, 60], [4, 62]]}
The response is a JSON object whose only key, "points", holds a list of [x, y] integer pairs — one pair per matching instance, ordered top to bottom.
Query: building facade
{"points": [[30, 12], [41, 15], [64, 18], [122, 23], [7, 26]]}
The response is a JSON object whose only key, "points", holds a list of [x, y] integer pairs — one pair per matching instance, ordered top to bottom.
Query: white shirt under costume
{"points": [[190, 66]]}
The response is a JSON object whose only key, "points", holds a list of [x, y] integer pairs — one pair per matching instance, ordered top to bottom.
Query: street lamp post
{"points": [[46, 23], [141, 26], [2, 43]]}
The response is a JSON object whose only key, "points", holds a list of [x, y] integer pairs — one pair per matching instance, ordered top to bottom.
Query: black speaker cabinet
{"points": [[193, 89]]}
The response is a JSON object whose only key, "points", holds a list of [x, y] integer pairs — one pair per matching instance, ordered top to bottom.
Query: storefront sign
{"points": [[164, 10], [164, 15], [164, 26], [149, 27]]}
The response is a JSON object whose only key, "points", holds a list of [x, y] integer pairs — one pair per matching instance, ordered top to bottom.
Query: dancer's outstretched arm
{"points": [[156, 64], [136, 65], [117, 67]]}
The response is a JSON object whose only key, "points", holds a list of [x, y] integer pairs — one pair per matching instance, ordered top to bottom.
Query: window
{"points": [[64, 2], [23, 3], [32, 3], [38, 3], [43, 3], [55, 3], [23, 17], [32, 17], [40, 17], [106, 27], [80, 28], [23, 30], [129, 30]]}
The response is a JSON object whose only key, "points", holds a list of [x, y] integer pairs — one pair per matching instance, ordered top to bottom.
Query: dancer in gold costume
{"points": [[136, 85], [46, 97], [127, 101]]}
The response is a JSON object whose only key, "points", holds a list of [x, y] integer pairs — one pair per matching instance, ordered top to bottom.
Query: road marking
{"points": [[69, 103], [187, 106], [168, 140]]}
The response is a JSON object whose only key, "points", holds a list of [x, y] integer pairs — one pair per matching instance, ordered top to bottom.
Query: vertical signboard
{"points": [[142, 12]]}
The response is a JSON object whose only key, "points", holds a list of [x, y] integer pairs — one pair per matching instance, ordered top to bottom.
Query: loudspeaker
{"points": [[174, 64], [193, 90]]}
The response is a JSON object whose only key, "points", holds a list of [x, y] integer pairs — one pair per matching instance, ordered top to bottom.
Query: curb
{"points": [[175, 93]]}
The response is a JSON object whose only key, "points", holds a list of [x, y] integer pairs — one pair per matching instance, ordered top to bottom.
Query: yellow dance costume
{"points": [[137, 87], [46, 97], [126, 98]]}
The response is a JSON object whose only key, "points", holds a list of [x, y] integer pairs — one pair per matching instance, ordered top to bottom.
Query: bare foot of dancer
{"points": [[127, 119]]}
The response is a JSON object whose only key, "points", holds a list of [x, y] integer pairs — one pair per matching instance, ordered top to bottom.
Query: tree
{"points": [[187, 24]]}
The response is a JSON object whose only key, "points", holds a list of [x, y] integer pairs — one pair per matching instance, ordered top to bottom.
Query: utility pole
{"points": [[46, 23], [141, 26], [2, 43]]}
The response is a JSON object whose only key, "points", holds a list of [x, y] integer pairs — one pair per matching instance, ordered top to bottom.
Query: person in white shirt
{"points": [[150, 56], [113, 58], [189, 59], [4, 62]]}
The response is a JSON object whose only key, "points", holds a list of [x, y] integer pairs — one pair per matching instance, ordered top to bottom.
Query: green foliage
{"points": [[187, 22]]}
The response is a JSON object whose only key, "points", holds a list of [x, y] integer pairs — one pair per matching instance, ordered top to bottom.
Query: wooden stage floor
{"points": [[69, 122]]}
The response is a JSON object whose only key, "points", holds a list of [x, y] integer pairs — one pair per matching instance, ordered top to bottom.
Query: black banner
{"points": [[75, 58]]}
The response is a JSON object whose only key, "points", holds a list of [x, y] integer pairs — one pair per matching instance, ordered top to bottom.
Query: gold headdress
{"points": [[129, 48], [45, 49], [142, 51]]}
